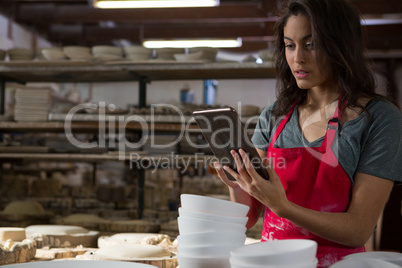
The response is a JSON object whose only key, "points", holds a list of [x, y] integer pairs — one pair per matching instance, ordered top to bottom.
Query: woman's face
{"points": [[301, 54]]}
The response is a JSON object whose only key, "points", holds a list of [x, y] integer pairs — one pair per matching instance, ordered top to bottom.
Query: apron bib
{"points": [[314, 179]]}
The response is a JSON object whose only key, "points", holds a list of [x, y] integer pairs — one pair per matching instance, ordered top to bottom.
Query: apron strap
{"points": [[282, 125], [333, 126]]}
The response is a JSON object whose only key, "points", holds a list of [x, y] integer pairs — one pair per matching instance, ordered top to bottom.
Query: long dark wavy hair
{"points": [[338, 38]]}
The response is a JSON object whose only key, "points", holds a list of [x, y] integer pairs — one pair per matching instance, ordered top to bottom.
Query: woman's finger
{"points": [[248, 165], [240, 166], [222, 175]]}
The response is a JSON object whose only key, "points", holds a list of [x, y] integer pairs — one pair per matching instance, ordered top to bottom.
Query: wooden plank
{"points": [[127, 72]]}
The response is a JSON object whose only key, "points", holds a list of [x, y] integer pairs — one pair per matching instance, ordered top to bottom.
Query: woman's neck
{"points": [[319, 97]]}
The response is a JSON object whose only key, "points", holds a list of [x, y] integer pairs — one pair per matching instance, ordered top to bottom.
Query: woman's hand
{"points": [[269, 192]]}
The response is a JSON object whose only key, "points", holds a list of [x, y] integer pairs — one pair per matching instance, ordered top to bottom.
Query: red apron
{"points": [[314, 179]]}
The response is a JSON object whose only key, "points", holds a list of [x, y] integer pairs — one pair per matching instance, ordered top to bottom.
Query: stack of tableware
{"points": [[78, 52], [107, 53], [138, 53], [168, 53], [208, 53], [3, 54], [21, 54], [53, 54], [266, 55], [189, 56], [31, 104], [209, 228], [288, 253], [371, 259], [364, 263]]}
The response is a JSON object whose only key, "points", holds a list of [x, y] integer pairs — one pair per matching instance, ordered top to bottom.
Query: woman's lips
{"points": [[301, 74]]}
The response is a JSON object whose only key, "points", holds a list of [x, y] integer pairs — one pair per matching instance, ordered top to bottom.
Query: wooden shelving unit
{"points": [[143, 72]]}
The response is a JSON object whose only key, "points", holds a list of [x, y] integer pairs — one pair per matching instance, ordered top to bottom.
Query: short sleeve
{"points": [[263, 130], [381, 153]]}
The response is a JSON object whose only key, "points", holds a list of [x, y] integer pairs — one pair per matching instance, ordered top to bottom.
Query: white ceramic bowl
{"points": [[107, 50], [137, 50], [209, 53], [21, 54], [51, 54], [77, 55], [138, 56], [106, 57], [188, 57], [212, 205], [207, 216], [188, 225], [212, 238], [206, 251], [278, 252], [392, 257], [202, 262], [364, 263], [79, 264], [237, 264]]}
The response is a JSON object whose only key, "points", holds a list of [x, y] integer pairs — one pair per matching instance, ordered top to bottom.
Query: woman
{"points": [[339, 144]]}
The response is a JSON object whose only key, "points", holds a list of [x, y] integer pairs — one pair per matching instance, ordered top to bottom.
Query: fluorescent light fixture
{"points": [[154, 3], [193, 43]]}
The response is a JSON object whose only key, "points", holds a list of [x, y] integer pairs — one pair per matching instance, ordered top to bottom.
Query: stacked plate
{"points": [[78, 52], [107, 53], [138, 53], [21, 54], [31, 104], [209, 228], [289, 253]]}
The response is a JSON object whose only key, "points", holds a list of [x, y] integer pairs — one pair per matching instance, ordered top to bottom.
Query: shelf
{"points": [[130, 71], [90, 123], [83, 127], [134, 156]]}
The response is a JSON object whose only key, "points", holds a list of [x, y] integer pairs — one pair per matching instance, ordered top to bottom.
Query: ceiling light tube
{"points": [[110, 4], [193, 43]]}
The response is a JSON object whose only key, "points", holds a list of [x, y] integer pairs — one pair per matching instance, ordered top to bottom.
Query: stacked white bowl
{"points": [[78, 52], [107, 53], [138, 53], [167, 53], [208, 53], [21, 54], [52, 54], [209, 228], [288, 253]]}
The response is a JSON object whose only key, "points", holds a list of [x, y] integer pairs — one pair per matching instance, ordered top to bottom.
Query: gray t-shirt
{"points": [[372, 146]]}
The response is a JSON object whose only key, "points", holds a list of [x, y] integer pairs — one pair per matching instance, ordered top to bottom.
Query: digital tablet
{"points": [[223, 130]]}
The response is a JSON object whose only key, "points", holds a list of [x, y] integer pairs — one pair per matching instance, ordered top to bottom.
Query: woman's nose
{"points": [[299, 55]]}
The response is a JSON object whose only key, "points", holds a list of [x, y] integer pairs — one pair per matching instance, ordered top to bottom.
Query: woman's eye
{"points": [[289, 45], [310, 45]]}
